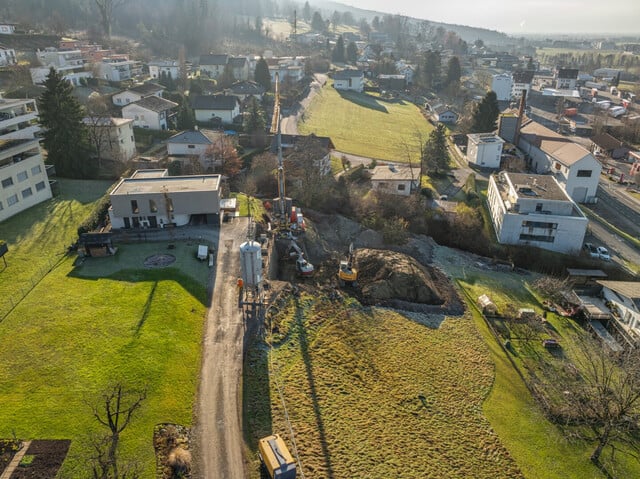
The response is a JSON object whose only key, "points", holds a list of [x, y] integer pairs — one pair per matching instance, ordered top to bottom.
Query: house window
{"points": [[136, 117], [132, 138], [191, 147], [558, 166], [36, 170], [584, 173], [22, 176], [7, 182], [40, 186], [402, 187], [27, 192], [12, 200], [134, 206], [152, 206], [539, 206], [1, 207], [540, 238]]}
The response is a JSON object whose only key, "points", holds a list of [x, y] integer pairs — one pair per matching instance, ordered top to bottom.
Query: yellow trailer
{"points": [[276, 458]]}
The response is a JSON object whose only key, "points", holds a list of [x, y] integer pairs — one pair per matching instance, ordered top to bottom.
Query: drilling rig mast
{"points": [[276, 129]]}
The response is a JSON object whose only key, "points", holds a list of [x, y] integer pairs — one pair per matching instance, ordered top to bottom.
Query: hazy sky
{"points": [[521, 16]]}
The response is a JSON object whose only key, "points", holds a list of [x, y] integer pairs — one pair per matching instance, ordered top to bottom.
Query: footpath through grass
{"points": [[367, 125], [82, 329]]}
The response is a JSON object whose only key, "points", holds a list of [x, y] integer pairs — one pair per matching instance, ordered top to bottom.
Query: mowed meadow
{"points": [[367, 124], [82, 328], [371, 393]]}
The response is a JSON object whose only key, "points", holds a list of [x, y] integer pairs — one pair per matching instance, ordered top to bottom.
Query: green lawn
{"points": [[367, 125], [38, 237], [83, 328], [540, 448]]}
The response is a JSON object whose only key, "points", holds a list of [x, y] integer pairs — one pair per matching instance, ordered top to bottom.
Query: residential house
{"points": [[7, 28], [7, 56], [69, 64], [213, 65], [170, 68], [240, 68], [117, 69], [289, 69], [408, 71], [566, 78], [349, 80], [522, 80], [502, 85], [245, 89], [136, 93], [223, 108], [151, 112], [443, 114], [18, 119], [113, 137], [194, 143], [321, 145], [607, 145], [484, 150], [574, 166], [23, 176], [395, 179], [152, 199], [535, 210], [624, 298]]}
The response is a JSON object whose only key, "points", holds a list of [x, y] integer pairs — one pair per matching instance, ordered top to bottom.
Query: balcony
{"points": [[11, 118]]}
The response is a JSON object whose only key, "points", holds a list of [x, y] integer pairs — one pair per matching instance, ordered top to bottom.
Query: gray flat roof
{"points": [[150, 173], [168, 184], [537, 186]]}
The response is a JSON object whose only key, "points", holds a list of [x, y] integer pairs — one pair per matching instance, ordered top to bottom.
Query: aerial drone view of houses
{"points": [[315, 240]]}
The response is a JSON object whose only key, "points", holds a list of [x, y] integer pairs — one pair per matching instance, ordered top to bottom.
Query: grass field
{"points": [[367, 125], [38, 237], [81, 329], [371, 393], [538, 446]]}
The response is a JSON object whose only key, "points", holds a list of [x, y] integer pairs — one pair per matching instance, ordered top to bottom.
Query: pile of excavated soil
{"points": [[388, 275]]}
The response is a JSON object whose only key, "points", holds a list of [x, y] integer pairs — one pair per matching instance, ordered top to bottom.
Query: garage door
{"points": [[579, 194]]}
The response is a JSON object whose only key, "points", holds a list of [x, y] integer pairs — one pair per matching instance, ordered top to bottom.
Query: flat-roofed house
{"points": [[484, 149], [395, 179], [152, 199], [535, 210]]}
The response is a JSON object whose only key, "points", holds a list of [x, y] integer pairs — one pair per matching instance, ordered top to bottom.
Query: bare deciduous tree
{"points": [[106, 8], [114, 411]]}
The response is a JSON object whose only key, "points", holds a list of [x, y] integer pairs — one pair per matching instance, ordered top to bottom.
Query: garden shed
{"points": [[487, 306]]}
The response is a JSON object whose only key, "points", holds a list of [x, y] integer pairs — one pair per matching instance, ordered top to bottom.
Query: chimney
{"points": [[523, 101]]}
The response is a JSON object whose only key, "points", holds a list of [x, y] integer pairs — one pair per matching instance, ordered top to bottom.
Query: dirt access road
{"points": [[218, 425]]}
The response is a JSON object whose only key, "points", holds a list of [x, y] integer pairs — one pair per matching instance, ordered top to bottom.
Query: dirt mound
{"points": [[387, 275]]}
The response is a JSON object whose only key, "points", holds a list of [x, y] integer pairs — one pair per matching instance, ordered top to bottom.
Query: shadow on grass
{"points": [[363, 100], [193, 287], [147, 307], [306, 357], [257, 421]]}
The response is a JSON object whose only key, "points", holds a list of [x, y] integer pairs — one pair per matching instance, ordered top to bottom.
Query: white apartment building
{"points": [[7, 56], [168, 67], [118, 70], [502, 85], [18, 119], [113, 137], [484, 149], [23, 179], [535, 210]]}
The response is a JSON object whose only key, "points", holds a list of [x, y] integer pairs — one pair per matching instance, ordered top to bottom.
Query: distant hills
{"points": [[468, 34]]}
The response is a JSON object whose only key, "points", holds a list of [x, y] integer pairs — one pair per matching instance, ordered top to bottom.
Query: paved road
{"points": [[289, 124], [218, 425]]}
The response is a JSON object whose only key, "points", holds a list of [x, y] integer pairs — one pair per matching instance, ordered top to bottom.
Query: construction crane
{"points": [[276, 128]]}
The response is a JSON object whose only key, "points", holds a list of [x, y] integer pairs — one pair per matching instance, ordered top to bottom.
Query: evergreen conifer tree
{"points": [[262, 75], [486, 114], [65, 137]]}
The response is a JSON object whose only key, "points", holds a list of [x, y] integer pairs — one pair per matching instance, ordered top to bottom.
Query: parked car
{"points": [[591, 250], [603, 253]]}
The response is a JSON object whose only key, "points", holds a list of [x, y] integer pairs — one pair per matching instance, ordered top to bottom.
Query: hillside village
{"points": [[261, 244]]}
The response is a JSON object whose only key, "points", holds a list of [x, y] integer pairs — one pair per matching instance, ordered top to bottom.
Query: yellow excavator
{"points": [[347, 273]]}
